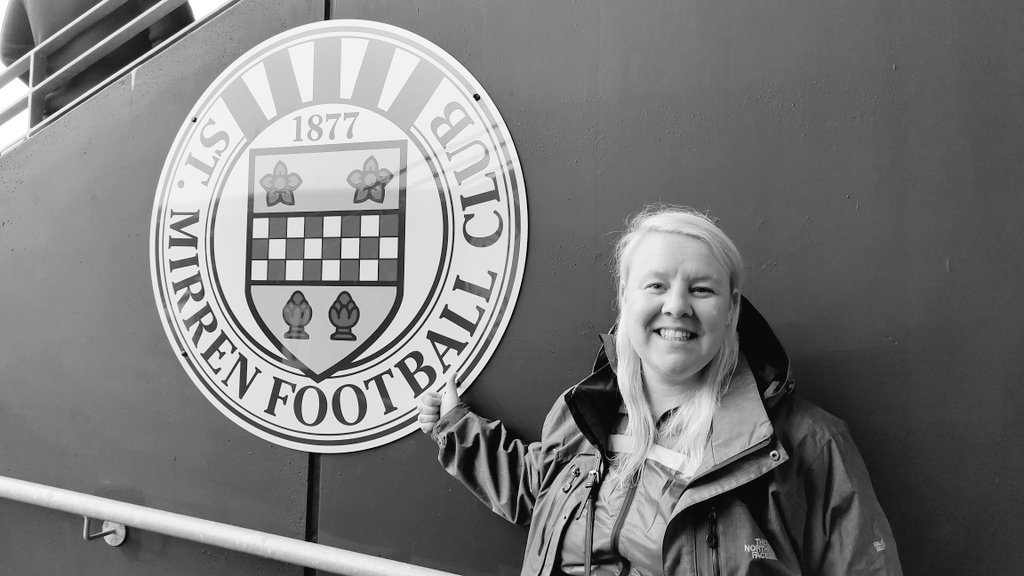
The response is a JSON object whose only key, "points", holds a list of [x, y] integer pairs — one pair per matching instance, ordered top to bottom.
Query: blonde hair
{"points": [[688, 429]]}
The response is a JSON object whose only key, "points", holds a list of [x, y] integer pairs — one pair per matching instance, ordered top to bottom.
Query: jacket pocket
{"points": [[560, 496], [554, 508], [730, 540]]}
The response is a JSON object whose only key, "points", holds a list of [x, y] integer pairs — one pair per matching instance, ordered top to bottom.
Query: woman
{"points": [[685, 451]]}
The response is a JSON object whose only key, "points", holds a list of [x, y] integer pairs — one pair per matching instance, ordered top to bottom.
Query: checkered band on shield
{"points": [[353, 248]]}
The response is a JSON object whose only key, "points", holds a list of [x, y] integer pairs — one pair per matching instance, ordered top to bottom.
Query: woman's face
{"points": [[676, 305]]}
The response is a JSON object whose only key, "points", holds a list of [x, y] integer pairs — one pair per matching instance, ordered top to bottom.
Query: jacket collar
{"points": [[594, 403], [740, 423]]}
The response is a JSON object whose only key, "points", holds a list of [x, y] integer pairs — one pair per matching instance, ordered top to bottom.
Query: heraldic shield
{"points": [[324, 261]]}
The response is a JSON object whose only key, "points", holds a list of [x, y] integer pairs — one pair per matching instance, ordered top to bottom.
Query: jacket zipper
{"points": [[572, 479], [626, 503], [590, 506], [712, 540]]}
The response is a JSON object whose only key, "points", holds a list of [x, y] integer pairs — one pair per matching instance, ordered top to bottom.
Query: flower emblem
{"points": [[370, 181], [280, 185]]}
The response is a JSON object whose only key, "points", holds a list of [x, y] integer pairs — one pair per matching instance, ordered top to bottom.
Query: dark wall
{"points": [[865, 156], [92, 398]]}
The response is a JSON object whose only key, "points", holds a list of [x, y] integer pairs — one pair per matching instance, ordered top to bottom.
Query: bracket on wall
{"points": [[111, 532]]}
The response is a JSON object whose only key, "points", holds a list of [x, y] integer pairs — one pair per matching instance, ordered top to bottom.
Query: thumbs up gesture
{"points": [[433, 405]]}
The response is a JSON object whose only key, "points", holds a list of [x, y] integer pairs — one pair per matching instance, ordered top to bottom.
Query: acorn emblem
{"points": [[297, 313], [343, 314]]}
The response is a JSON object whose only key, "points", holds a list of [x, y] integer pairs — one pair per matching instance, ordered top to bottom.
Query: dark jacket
{"points": [[782, 489]]}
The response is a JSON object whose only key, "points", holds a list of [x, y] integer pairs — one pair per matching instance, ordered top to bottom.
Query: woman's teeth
{"points": [[676, 335]]}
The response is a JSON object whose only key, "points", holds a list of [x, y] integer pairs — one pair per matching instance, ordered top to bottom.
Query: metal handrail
{"points": [[78, 25], [108, 44], [33, 61], [19, 67], [14, 109], [254, 542]]}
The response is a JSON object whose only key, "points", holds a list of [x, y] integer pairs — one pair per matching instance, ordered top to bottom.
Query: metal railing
{"points": [[34, 62], [254, 542]]}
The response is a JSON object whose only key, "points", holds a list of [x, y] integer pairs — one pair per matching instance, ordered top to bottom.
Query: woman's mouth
{"points": [[676, 335]]}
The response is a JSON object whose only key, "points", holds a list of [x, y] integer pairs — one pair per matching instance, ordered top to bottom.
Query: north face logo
{"points": [[760, 549]]}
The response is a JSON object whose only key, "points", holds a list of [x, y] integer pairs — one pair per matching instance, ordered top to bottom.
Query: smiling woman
{"points": [[679, 299], [685, 450]]}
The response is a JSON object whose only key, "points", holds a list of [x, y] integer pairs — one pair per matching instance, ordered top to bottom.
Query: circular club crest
{"points": [[339, 225]]}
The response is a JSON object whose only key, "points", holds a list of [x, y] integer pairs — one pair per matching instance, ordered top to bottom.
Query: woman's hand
{"points": [[433, 405]]}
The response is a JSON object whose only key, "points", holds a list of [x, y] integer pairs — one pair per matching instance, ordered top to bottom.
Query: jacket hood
{"points": [[595, 401]]}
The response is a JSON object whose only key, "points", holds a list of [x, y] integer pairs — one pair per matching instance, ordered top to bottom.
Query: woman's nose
{"points": [[677, 304]]}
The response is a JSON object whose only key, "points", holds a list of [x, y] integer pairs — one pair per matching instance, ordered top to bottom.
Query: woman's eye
{"points": [[655, 286], [704, 290]]}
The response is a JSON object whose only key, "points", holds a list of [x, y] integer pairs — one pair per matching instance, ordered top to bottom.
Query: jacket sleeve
{"points": [[505, 473], [846, 532]]}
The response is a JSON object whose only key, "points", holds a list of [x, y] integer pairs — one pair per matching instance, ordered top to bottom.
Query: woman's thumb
{"points": [[450, 396]]}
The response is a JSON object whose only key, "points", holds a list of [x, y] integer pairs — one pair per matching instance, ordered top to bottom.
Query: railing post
{"points": [[36, 74]]}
